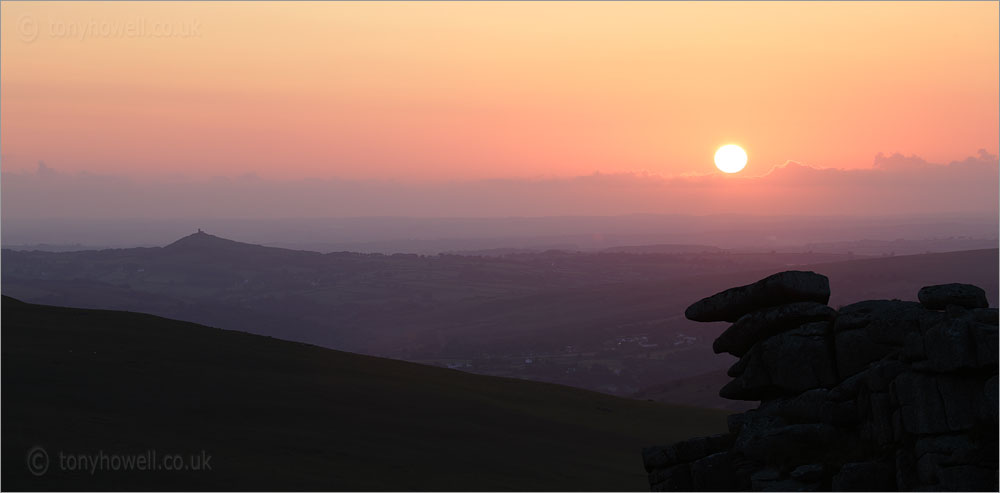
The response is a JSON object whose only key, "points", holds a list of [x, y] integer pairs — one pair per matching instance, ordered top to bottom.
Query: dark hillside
{"points": [[278, 415]]}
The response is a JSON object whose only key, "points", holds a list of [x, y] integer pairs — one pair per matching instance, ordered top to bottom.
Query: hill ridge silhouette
{"points": [[203, 240], [202, 243], [277, 414]]}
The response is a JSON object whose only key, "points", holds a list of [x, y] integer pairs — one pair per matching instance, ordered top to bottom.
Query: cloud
{"points": [[982, 158], [899, 162], [894, 184]]}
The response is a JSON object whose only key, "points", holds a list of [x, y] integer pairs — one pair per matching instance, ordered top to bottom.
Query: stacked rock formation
{"points": [[877, 396]]}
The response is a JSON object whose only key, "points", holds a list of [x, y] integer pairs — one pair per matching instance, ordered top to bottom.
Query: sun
{"points": [[730, 158]]}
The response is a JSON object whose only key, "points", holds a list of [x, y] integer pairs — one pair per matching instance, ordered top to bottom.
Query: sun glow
{"points": [[730, 158]]}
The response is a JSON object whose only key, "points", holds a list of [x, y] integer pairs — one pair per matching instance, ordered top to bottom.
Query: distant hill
{"points": [[204, 241], [204, 245], [904, 246], [664, 248], [610, 322], [277, 415]]}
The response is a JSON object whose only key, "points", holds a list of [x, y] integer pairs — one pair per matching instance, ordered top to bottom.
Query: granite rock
{"points": [[778, 289], [939, 296], [761, 324]]}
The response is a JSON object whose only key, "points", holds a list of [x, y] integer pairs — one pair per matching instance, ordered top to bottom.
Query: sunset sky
{"points": [[430, 91]]}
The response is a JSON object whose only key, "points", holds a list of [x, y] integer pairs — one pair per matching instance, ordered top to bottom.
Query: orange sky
{"points": [[433, 91]]}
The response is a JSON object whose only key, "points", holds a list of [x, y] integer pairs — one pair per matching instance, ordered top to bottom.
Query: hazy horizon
{"points": [[893, 185], [864, 235]]}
